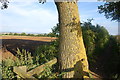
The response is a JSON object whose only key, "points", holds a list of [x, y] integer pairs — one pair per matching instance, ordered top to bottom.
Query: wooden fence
{"points": [[23, 73]]}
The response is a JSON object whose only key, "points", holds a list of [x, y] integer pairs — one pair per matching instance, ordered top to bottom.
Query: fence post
{"points": [[22, 73]]}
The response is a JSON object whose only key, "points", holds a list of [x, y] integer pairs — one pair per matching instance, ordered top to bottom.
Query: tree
{"points": [[4, 4], [111, 10], [56, 30], [23, 34], [89, 36], [103, 36], [72, 54]]}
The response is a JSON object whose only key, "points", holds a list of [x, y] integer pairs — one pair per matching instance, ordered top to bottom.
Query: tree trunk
{"points": [[72, 54]]}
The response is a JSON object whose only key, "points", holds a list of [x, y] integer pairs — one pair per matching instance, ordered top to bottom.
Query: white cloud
{"points": [[23, 17], [25, 20]]}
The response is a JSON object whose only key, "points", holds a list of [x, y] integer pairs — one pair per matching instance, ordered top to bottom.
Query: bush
{"points": [[23, 34], [43, 54], [23, 58], [113, 63], [7, 69]]}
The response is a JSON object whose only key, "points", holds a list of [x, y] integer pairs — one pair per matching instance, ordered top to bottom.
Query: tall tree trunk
{"points": [[72, 54]]}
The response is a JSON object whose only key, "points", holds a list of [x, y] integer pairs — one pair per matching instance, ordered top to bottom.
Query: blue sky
{"points": [[32, 17]]}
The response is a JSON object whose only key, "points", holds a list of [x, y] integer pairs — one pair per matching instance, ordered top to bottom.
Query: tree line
{"points": [[29, 34]]}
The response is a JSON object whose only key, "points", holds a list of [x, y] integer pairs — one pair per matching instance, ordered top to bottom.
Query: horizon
{"points": [[32, 17]]}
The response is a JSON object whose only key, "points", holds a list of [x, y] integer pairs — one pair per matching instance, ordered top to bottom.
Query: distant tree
{"points": [[111, 10], [56, 30], [10, 33], [16, 34], [23, 34], [28, 34], [31, 34], [51, 34]]}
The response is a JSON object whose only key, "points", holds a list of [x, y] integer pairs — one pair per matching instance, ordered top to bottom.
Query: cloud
{"points": [[32, 17], [19, 18]]}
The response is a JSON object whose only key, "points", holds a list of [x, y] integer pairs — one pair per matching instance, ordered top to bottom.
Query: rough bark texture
{"points": [[72, 55]]}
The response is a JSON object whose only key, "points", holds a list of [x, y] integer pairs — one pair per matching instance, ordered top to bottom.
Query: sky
{"points": [[32, 17]]}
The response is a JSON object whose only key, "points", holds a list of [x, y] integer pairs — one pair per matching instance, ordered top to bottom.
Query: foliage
{"points": [[42, 1], [4, 4], [111, 10], [55, 30], [10, 33], [54, 33], [25, 34], [51, 34], [95, 37], [97, 40], [89, 41], [98, 43], [44, 53], [23, 58], [113, 64], [7, 70], [48, 73]]}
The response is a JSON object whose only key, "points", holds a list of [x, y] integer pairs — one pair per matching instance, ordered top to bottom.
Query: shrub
{"points": [[23, 34], [44, 53], [23, 58], [7, 70]]}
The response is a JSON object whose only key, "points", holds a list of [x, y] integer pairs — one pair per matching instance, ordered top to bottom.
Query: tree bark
{"points": [[72, 54]]}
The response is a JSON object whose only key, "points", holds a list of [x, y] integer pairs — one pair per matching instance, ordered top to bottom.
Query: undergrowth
{"points": [[43, 54]]}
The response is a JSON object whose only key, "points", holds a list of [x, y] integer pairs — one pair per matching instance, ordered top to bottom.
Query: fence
{"points": [[21, 71]]}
